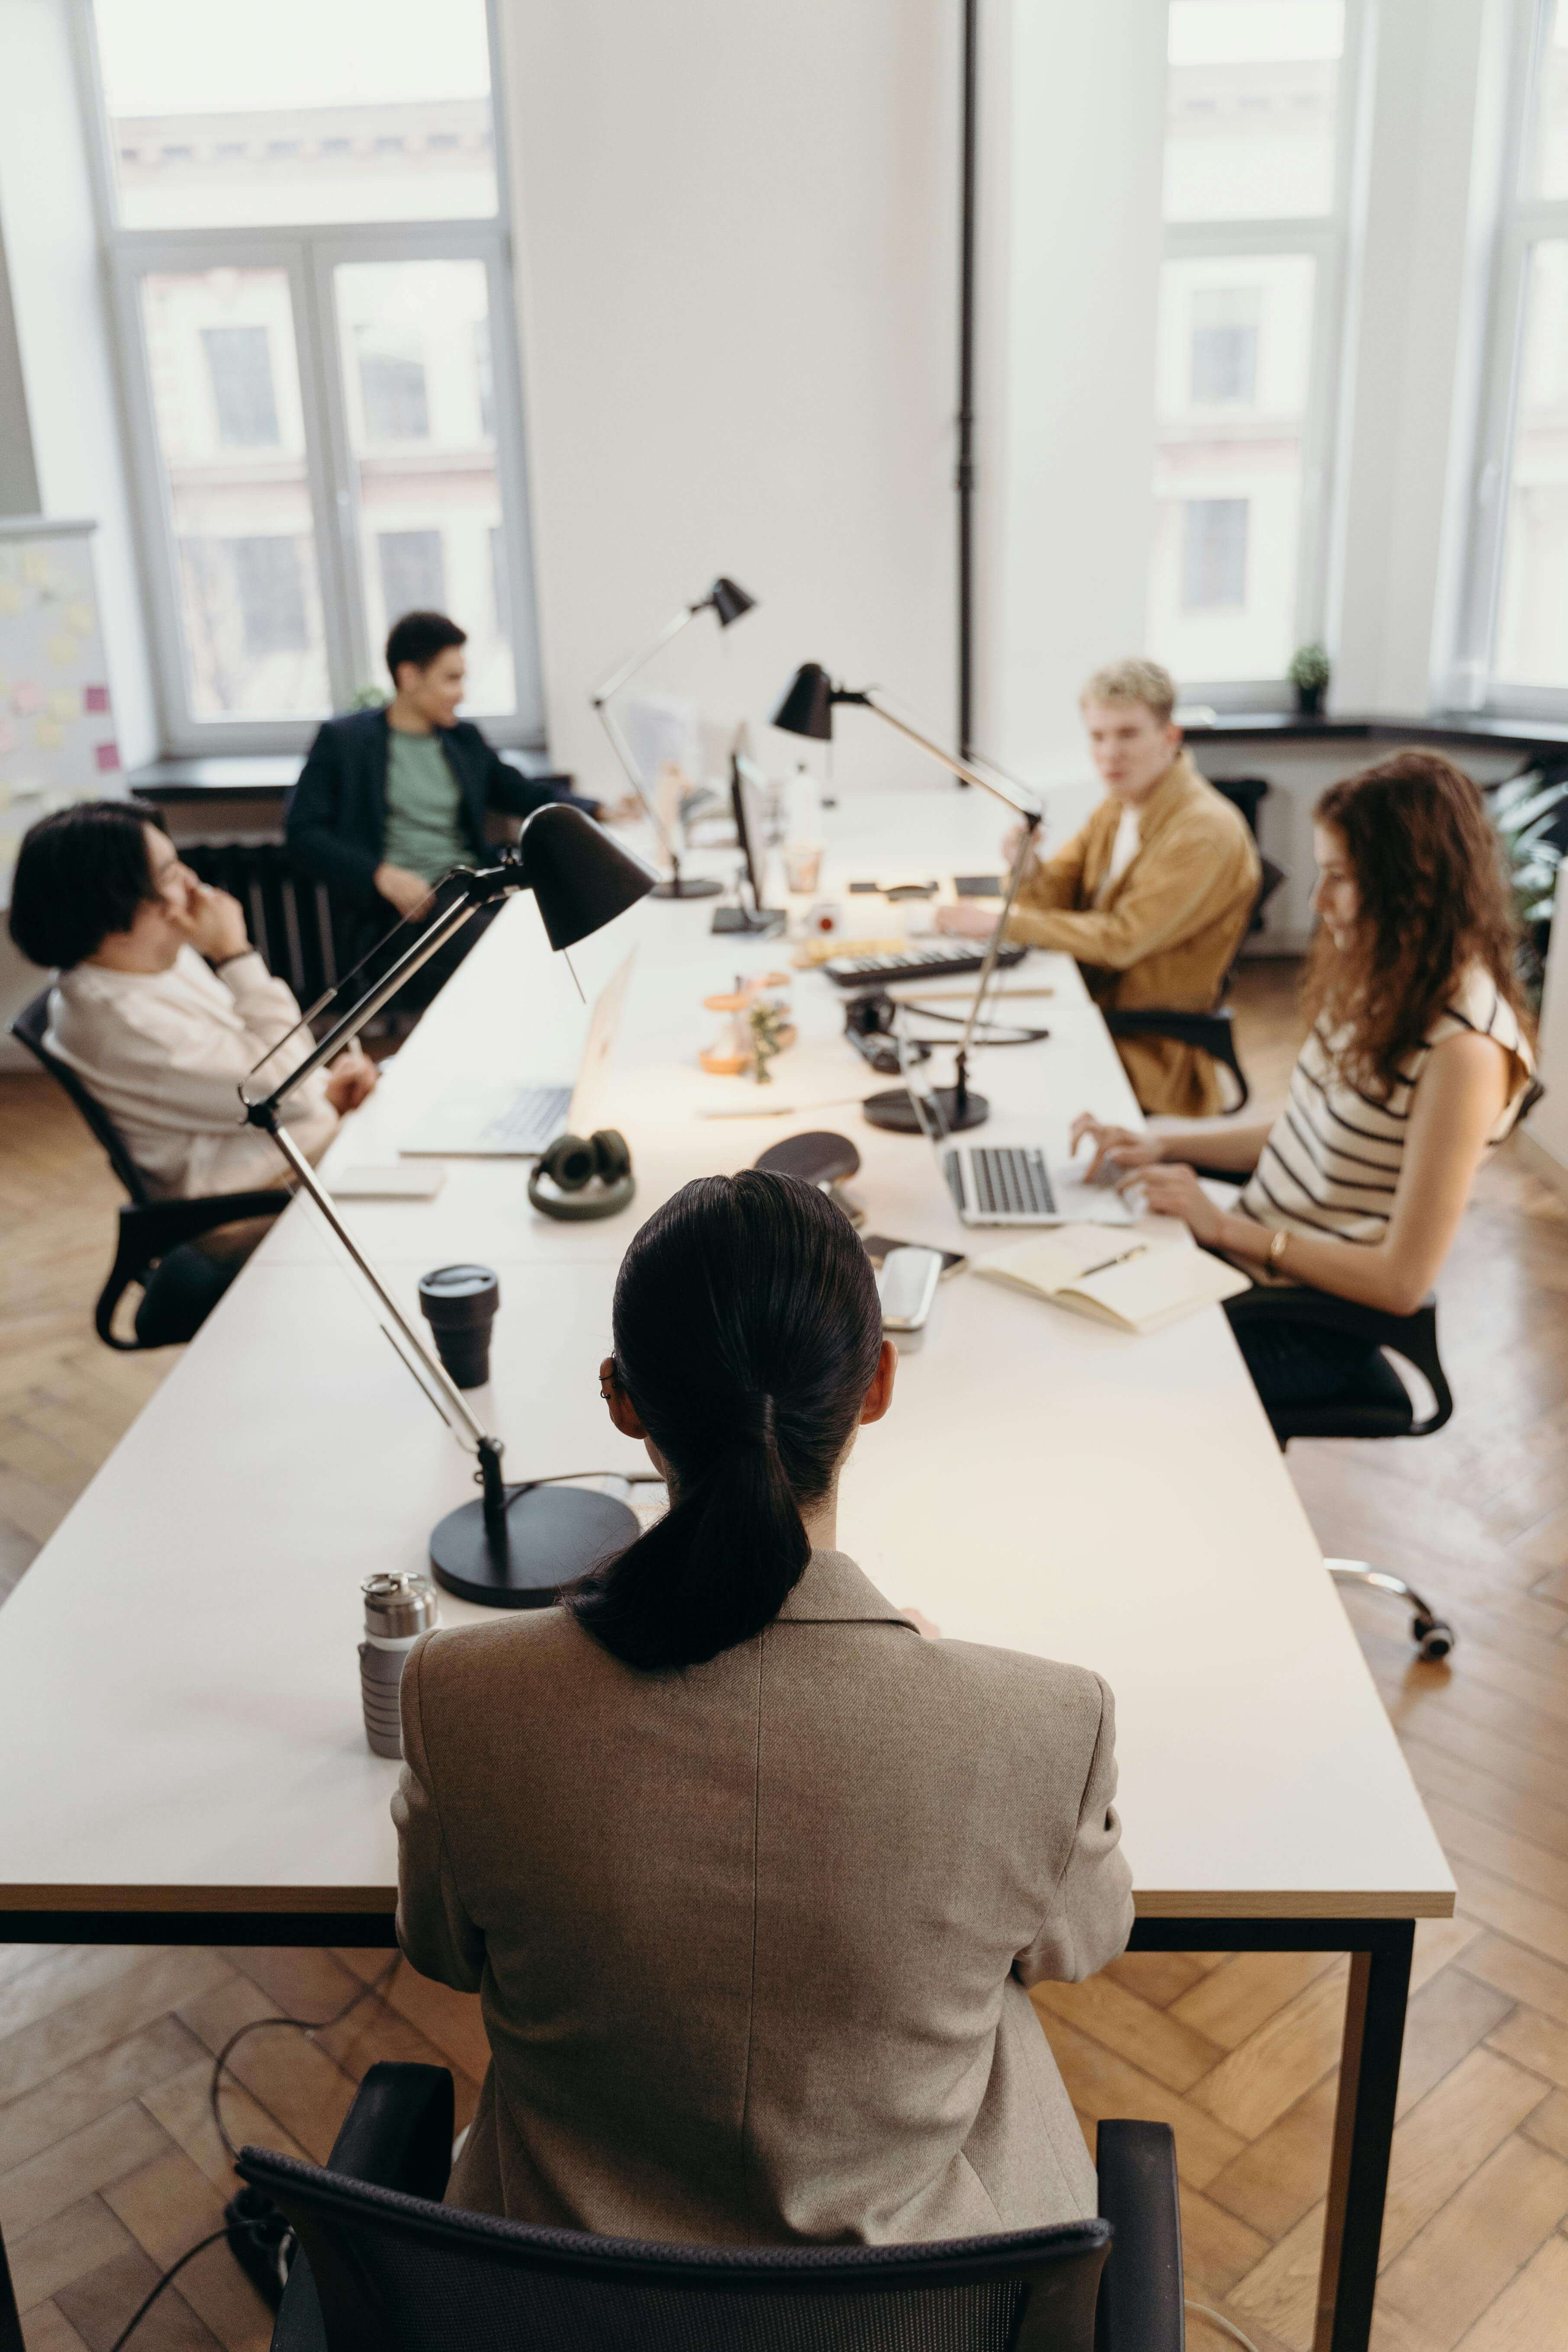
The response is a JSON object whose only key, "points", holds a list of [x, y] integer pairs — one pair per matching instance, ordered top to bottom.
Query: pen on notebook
{"points": [[1121, 1258]]}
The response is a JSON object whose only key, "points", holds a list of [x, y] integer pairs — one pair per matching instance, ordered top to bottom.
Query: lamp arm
{"points": [[629, 670], [603, 695], [623, 752], [1020, 805], [1021, 857], [481, 886], [452, 1395]]}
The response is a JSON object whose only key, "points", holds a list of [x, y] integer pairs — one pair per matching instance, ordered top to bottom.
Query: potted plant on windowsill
{"points": [[1310, 673]]}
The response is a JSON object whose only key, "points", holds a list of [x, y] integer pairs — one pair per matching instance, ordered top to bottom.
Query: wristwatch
{"points": [[1277, 1240]]}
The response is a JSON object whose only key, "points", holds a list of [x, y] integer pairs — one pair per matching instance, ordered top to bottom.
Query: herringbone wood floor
{"points": [[109, 2167]]}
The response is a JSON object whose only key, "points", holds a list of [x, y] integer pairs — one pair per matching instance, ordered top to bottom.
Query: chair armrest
{"points": [[1211, 1031], [149, 1230], [398, 2132], [397, 2135], [1141, 2301], [10, 2325]]}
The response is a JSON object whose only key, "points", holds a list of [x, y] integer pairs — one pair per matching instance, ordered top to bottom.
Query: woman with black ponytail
{"points": [[750, 1878]]}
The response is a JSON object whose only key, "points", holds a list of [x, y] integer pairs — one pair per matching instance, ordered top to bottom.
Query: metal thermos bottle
{"points": [[398, 1608]]}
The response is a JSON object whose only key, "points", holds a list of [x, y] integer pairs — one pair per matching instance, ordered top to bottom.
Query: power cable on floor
{"points": [[272, 2249]]}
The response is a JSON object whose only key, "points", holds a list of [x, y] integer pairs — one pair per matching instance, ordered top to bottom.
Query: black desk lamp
{"points": [[729, 602], [807, 710], [509, 1550]]}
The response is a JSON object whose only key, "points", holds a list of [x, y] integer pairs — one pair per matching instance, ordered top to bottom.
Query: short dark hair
{"points": [[418, 637], [80, 874], [747, 1331]]}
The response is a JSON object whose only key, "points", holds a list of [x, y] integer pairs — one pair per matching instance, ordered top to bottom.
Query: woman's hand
{"points": [[1117, 1151], [1172, 1189]]}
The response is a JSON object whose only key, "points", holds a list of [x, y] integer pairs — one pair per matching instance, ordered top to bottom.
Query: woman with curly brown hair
{"points": [[1416, 1066]]}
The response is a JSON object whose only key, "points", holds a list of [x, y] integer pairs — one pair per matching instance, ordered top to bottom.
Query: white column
{"points": [[1066, 363]]}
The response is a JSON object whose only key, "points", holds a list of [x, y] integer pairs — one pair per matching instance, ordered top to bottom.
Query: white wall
{"points": [[737, 260], [62, 329]]}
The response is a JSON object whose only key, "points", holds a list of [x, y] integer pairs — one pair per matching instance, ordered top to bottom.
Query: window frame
{"points": [[1524, 220], [1326, 239], [309, 253]]}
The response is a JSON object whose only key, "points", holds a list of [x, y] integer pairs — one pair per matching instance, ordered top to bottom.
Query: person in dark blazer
{"points": [[389, 801]]}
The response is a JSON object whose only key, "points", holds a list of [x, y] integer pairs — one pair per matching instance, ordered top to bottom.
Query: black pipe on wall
{"points": [[966, 473]]}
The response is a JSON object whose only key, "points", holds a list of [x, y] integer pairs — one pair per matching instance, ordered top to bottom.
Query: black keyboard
{"points": [[931, 962]]}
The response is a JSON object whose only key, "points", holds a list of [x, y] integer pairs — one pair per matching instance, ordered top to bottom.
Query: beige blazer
{"points": [[1168, 929], [752, 1940]]}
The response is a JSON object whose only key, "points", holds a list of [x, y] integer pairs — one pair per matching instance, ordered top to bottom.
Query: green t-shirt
{"points": [[424, 808]]}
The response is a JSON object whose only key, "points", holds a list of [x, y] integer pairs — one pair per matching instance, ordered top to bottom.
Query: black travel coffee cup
{"points": [[459, 1304]]}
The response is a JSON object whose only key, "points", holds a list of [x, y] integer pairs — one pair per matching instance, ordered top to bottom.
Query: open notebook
{"points": [[1116, 1278]]}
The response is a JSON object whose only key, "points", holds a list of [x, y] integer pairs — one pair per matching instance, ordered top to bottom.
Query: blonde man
{"points": [[1153, 895]]}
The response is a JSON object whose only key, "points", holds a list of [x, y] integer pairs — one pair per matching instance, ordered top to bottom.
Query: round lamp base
{"points": [[687, 886], [897, 1113], [553, 1535]]}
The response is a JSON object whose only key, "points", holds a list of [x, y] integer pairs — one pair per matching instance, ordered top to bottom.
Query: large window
{"points": [[1259, 109], [303, 206], [1512, 647]]}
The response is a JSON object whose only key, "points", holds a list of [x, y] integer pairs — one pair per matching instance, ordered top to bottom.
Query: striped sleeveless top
{"points": [[1333, 1156]]}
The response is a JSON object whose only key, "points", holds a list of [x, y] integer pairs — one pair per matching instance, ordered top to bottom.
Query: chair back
{"points": [[300, 933], [31, 1027], [395, 2274]]}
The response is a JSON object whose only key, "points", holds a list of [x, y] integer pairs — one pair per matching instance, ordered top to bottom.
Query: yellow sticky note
{"points": [[35, 565], [10, 598], [79, 620], [63, 651], [64, 704], [49, 734]]}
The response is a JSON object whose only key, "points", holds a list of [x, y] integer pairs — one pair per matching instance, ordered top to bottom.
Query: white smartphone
{"points": [[906, 1286]]}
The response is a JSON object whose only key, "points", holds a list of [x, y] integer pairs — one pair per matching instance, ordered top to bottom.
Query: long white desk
{"points": [[180, 1733]]}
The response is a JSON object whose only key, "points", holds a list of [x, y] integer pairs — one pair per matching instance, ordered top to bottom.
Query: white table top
{"points": [[179, 1689]]}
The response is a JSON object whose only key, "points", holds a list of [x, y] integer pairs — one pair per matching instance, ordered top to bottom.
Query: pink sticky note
{"points": [[95, 697], [25, 699], [107, 757]]}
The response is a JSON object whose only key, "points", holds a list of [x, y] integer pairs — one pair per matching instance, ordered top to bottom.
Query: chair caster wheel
{"points": [[1433, 1639]]}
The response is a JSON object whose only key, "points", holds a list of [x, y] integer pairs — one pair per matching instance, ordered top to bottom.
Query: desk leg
{"points": [[1363, 2133]]}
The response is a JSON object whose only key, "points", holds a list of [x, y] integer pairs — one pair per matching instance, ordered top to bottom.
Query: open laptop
{"points": [[486, 1121], [1010, 1183]]}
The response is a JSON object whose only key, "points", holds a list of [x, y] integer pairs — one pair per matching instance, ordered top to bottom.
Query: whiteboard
{"points": [[57, 727]]}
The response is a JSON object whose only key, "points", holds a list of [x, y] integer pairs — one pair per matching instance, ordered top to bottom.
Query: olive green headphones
{"points": [[570, 1166]]}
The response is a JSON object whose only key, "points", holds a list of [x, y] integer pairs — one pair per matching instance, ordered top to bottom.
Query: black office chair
{"points": [[1212, 1032], [180, 1284], [1379, 1405], [386, 2267], [10, 2323]]}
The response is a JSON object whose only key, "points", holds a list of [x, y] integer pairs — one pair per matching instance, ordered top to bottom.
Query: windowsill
{"points": [[1507, 732], [256, 775]]}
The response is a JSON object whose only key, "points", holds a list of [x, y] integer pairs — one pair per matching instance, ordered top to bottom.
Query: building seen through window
{"points": [[1253, 123], [330, 441]]}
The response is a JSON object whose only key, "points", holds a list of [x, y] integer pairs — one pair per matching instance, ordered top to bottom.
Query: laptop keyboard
{"points": [[533, 1117], [1005, 1181]]}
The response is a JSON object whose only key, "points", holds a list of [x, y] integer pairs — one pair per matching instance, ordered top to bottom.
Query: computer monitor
{"points": [[747, 785]]}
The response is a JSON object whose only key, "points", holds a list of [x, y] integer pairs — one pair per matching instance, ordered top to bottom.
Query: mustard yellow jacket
{"points": [[1168, 929]]}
